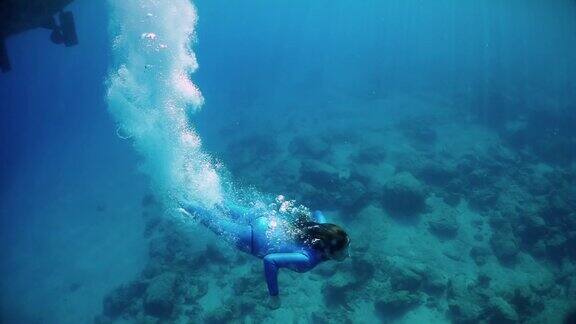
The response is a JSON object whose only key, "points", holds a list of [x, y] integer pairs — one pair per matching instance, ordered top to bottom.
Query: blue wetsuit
{"points": [[264, 238]]}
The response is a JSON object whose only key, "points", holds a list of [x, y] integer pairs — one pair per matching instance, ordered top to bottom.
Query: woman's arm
{"points": [[273, 262]]}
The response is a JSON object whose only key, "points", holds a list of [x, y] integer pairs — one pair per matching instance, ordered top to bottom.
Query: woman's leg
{"points": [[236, 234]]}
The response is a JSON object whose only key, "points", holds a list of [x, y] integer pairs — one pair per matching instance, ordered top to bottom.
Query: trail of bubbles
{"points": [[150, 95]]}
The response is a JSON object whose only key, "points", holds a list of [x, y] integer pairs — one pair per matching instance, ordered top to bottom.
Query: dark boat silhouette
{"points": [[17, 16]]}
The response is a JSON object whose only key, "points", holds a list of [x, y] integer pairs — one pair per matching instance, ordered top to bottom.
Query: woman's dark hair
{"points": [[323, 237]]}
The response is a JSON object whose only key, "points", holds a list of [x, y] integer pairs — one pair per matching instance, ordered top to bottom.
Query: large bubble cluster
{"points": [[150, 95]]}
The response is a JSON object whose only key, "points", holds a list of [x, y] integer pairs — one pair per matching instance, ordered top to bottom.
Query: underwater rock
{"points": [[418, 131], [517, 133], [340, 135], [313, 147], [251, 150], [371, 155], [436, 173], [320, 175], [285, 177], [479, 178], [456, 186], [305, 193], [351, 195], [403, 195], [318, 197], [450, 198], [482, 200], [560, 204], [152, 222], [444, 224], [535, 225], [533, 231], [570, 244], [556, 245], [504, 246], [538, 248], [160, 249], [213, 254], [453, 254], [153, 268], [327, 270], [363, 271], [406, 278], [483, 281], [435, 282], [242, 285], [341, 288], [194, 290], [337, 293], [160, 295], [117, 301], [526, 302], [397, 303], [465, 303], [465, 312], [502, 312], [219, 316], [329, 316], [570, 316], [319, 318]]}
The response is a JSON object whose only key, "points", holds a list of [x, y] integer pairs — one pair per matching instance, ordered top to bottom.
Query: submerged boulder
{"points": [[418, 131], [312, 147], [370, 155], [437, 173], [320, 175], [352, 194], [403, 195], [482, 199], [444, 224], [505, 246], [480, 255], [363, 271], [406, 275], [406, 279], [436, 282], [338, 293], [160, 295], [120, 299], [526, 302], [397, 303], [466, 304], [463, 311], [502, 311]]}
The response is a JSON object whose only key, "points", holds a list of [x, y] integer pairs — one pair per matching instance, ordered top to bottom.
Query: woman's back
{"points": [[272, 235]]}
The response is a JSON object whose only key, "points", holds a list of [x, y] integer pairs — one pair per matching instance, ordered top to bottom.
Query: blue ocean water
{"points": [[441, 135]]}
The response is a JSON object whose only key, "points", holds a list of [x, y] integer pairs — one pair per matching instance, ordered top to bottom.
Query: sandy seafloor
{"points": [[460, 205]]}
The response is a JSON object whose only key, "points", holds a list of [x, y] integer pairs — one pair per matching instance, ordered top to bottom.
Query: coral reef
{"points": [[404, 196], [444, 223], [449, 224], [160, 295]]}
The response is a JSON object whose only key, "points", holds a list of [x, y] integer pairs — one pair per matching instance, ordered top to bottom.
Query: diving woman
{"points": [[298, 244]]}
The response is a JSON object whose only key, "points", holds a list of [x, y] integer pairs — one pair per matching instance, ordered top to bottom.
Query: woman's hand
{"points": [[274, 302]]}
